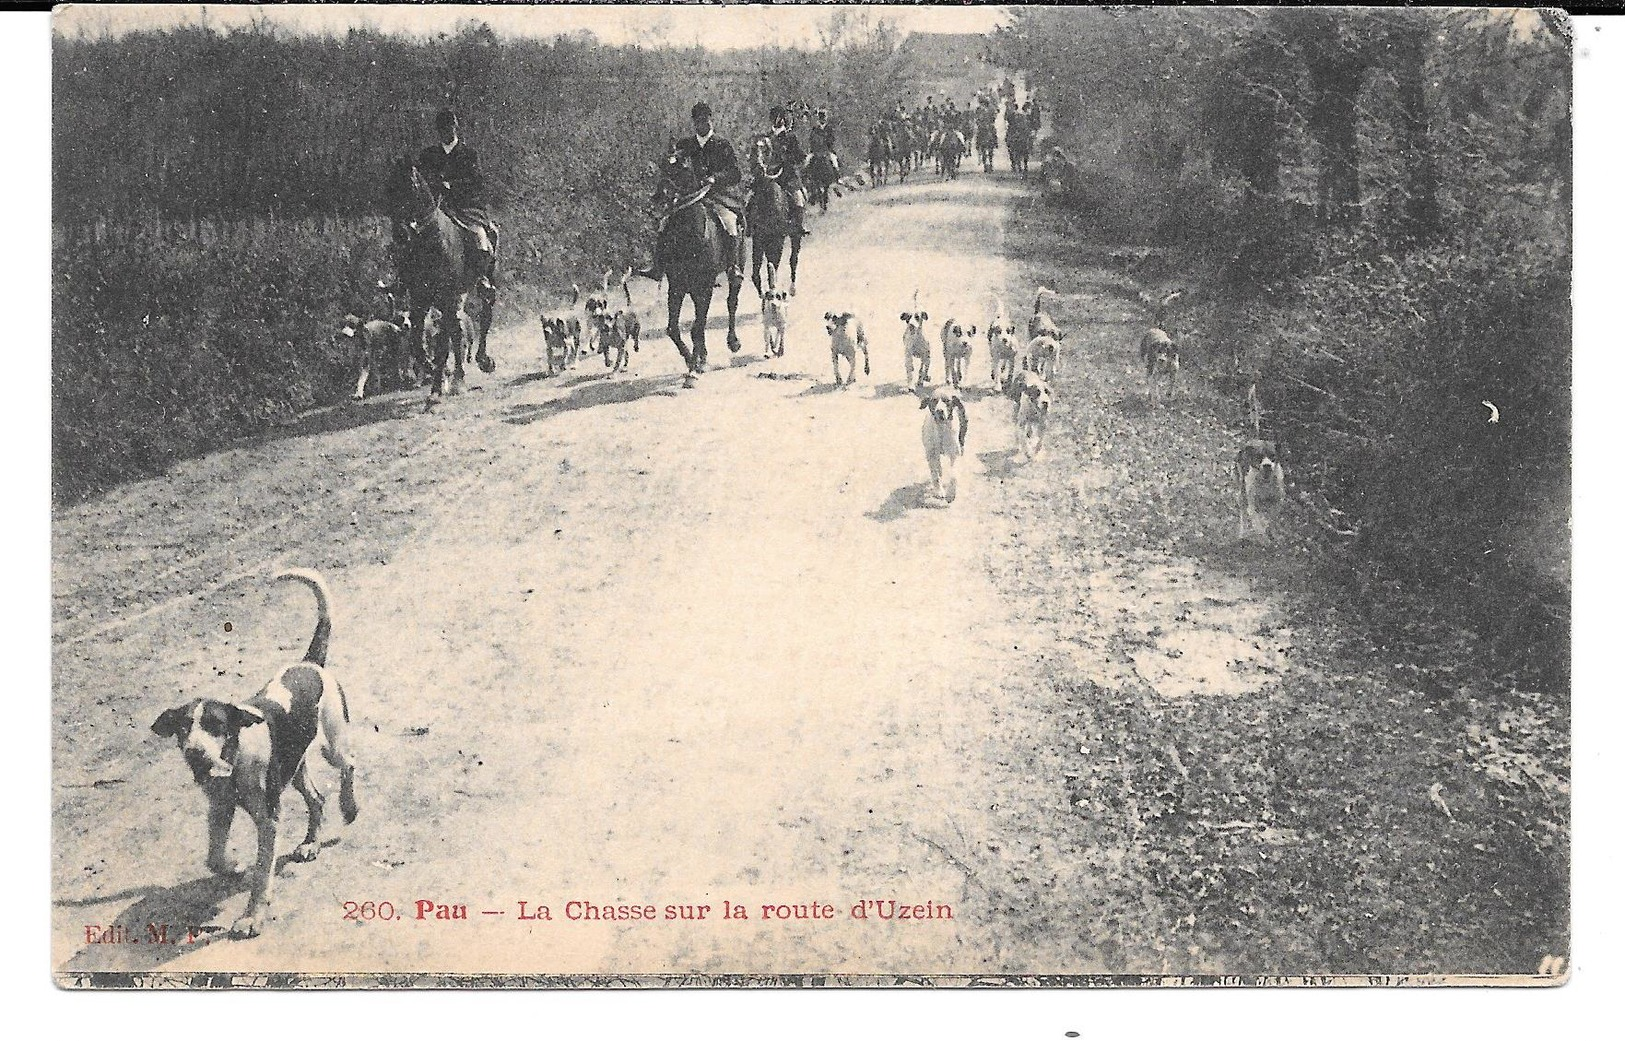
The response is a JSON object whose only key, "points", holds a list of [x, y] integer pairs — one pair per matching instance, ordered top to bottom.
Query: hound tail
{"points": [[625, 288], [575, 294], [1038, 299], [316, 653]]}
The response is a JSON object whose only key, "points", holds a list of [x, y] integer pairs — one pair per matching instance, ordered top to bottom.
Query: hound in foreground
{"points": [[775, 317], [619, 329], [561, 335], [846, 338], [380, 342], [957, 343], [1001, 345], [1160, 355], [1032, 396], [943, 433], [1261, 484], [244, 755]]}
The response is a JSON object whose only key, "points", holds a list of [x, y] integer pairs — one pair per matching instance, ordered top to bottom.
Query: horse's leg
{"points": [[758, 257], [795, 261], [734, 285], [488, 304], [674, 314], [696, 331], [420, 344], [459, 351], [437, 371]]}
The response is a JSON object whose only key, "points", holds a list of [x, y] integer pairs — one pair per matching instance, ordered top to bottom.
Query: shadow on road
{"points": [[824, 388], [589, 392], [332, 419], [1001, 463], [900, 502], [181, 915]]}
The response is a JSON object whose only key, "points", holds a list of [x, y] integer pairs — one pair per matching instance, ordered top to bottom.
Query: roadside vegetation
{"points": [[215, 198], [1368, 213]]}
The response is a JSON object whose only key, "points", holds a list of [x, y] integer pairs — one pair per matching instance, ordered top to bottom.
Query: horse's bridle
{"points": [[418, 186]]}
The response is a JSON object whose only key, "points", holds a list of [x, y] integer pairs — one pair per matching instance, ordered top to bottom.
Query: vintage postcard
{"points": [[869, 496]]}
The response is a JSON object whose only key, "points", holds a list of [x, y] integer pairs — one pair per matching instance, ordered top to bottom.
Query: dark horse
{"points": [[1018, 138], [987, 139], [880, 155], [821, 173], [768, 217], [694, 256], [439, 267]]}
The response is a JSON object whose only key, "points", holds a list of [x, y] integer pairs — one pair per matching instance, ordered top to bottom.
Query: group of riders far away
{"points": [[901, 131], [451, 167]]}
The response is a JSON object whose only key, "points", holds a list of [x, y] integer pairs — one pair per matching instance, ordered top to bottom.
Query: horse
{"points": [[987, 139], [1018, 139], [906, 146], [950, 147], [880, 153], [821, 173], [767, 216], [694, 256], [439, 267]]}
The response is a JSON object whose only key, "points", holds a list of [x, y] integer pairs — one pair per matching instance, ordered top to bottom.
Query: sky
{"points": [[716, 26]]}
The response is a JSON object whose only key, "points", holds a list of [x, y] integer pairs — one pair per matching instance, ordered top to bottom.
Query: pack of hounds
{"points": [[1023, 368], [245, 754]]}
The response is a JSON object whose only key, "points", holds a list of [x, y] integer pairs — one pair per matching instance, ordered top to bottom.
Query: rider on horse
{"points": [[821, 139], [792, 160], [715, 165], [451, 168]]}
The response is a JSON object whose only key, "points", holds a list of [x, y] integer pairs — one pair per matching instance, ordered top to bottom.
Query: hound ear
{"points": [[829, 316], [903, 316], [924, 317], [971, 331], [925, 401], [245, 716], [172, 721]]}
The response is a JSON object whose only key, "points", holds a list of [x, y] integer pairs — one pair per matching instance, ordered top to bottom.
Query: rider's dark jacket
{"points": [[821, 139], [788, 154], [716, 159], [458, 168]]}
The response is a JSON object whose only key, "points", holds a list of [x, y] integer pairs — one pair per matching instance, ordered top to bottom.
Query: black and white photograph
{"points": [[843, 496]]}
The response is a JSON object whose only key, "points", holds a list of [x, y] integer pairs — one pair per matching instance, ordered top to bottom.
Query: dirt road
{"points": [[607, 640], [613, 642]]}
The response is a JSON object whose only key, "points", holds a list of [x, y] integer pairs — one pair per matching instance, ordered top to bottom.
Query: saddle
{"points": [[471, 222]]}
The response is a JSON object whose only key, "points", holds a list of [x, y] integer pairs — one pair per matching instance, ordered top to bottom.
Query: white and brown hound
{"points": [[846, 339], [943, 434], [1261, 484], [245, 754]]}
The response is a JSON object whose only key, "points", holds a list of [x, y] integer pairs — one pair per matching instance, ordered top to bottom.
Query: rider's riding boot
{"points": [[798, 216], [730, 249]]}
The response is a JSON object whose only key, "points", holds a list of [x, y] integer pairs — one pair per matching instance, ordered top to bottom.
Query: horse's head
{"points": [[761, 154], [678, 177], [408, 196]]}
